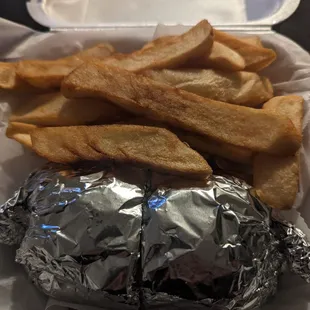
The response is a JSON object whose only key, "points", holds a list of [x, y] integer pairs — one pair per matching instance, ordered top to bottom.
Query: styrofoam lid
{"points": [[134, 13]]}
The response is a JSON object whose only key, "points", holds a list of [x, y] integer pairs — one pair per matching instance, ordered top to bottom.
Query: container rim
{"points": [[39, 13]]}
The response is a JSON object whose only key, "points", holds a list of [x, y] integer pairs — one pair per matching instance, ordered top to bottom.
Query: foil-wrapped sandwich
{"points": [[126, 238]]}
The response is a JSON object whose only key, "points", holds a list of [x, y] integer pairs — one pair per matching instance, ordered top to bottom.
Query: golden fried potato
{"points": [[253, 40], [157, 41], [99, 52], [167, 52], [221, 57], [256, 58], [48, 74], [7, 75], [9, 80], [242, 88], [291, 106], [54, 109], [254, 129], [20, 132], [202, 144], [210, 146], [151, 147], [276, 179]]}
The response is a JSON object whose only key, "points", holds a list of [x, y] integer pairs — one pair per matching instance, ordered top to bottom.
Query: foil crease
{"points": [[15, 213], [13, 220], [119, 239], [83, 240], [213, 246], [295, 247]]}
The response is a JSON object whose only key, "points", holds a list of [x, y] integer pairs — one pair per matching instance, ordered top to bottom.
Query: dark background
{"points": [[297, 27]]}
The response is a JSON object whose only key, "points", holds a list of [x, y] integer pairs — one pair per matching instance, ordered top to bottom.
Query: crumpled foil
{"points": [[15, 213], [109, 238], [83, 240], [213, 246]]}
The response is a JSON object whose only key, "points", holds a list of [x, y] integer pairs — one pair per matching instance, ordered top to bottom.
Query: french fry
{"points": [[253, 40], [157, 41], [99, 52], [167, 52], [221, 57], [256, 58], [48, 74], [7, 75], [9, 80], [241, 88], [291, 106], [54, 109], [226, 123], [20, 132], [202, 144], [208, 145], [150, 147], [276, 179]]}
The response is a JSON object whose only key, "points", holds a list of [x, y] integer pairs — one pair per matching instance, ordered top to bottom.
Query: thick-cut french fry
{"points": [[253, 40], [157, 41], [99, 52], [167, 52], [221, 57], [256, 58], [48, 74], [7, 75], [9, 80], [242, 88], [290, 106], [54, 109], [237, 125], [20, 132], [200, 143], [207, 145], [151, 147], [276, 179]]}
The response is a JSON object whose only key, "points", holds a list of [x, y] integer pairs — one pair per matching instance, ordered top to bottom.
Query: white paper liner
{"points": [[290, 75]]}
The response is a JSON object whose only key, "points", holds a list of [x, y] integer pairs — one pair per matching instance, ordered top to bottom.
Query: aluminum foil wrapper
{"points": [[15, 213], [119, 239], [83, 240], [213, 246]]}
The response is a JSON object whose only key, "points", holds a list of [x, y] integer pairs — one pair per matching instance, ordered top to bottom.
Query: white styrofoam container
{"points": [[101, 14], [124, 20]]}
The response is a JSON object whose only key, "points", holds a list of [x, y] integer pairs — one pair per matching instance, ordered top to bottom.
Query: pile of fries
{"points": [[172, 106]]}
